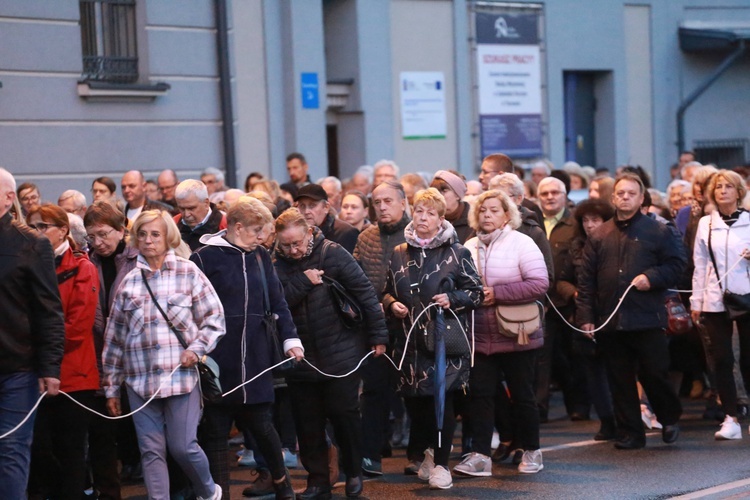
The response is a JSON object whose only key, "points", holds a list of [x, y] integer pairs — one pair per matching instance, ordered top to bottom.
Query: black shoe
{"points": [[578, 416], [543, 417], [607, 430], [670, 433], [630, 443], [501, 453], [517, 456], [372, 468], [262, 485], [353, 486], [284, 489], [315, 493]]}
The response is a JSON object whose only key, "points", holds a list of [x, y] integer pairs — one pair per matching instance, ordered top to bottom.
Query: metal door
{"points": [[580, 110]]}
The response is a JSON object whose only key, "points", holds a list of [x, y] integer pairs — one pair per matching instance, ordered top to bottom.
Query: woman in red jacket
{"points": [[58, 452]]}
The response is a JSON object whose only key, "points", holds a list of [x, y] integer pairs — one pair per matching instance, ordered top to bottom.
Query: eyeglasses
{"points": [[550, 193], [30, 197], [42, 226], [144, 235], [92, 238], [294, 244]]}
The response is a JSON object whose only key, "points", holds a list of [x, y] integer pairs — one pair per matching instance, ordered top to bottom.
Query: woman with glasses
{"points": [[106, 234], [304, 258], [143, 353], [58, 450]]}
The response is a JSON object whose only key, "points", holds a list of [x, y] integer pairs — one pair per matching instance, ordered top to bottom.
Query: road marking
{"points": [[577, 444], [716, 489]]}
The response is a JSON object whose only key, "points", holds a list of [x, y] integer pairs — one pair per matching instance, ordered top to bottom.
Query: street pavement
{"points": [[576, 467]]}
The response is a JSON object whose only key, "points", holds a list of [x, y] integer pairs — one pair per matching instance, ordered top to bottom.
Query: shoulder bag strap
{"points": [[711, 253], [171, 325]]}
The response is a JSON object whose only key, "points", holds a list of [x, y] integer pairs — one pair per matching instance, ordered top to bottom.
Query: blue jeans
{"points": [[18, 394]]}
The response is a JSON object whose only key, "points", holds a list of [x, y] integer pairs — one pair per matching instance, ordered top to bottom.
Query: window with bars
{"points": [[108, 39], [727, 153]]}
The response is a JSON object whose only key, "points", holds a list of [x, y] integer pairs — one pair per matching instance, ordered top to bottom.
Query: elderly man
{"points": [[497, 164], [297, 167], [384, 170], [539, 171], [213, 179], [362, 180], [167, 182], [332, 186], [133, 187], [28, 197], [73, 202], [312, 202], [198, 216], [561, 227], [374, 249], [632, 249], [32, 337]]}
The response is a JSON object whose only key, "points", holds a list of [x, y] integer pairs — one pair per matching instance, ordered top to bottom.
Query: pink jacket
{"points": [[512, 264]]}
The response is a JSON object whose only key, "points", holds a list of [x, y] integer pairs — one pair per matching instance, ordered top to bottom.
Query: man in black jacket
{"points": [[312, 202], [198, 216], [374, 249], [632, 249], [32, 337]]}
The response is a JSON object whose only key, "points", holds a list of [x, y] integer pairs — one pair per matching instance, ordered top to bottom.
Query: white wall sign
{"points": [[423, 105]]}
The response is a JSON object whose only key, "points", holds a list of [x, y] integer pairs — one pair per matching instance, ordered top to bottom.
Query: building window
{"points": [[108, 40], [726, 153]]}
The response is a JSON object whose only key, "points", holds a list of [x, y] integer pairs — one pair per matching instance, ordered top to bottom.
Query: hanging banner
{"points": [[509, 78], [423, 105]]}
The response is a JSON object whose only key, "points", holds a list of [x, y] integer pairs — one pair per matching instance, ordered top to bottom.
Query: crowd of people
{"points": [[348, 318]]}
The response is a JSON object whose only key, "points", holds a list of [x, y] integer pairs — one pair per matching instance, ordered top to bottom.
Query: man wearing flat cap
{"points": [[312, 202]]}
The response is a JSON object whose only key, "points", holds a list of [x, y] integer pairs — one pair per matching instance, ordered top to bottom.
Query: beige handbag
{"points": [[516, 321], [519, 321]]}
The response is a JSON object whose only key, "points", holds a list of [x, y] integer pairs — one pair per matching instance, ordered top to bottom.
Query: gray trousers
{"points": [[171, 422]]}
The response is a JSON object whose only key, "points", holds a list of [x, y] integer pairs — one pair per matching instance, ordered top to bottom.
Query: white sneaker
{"points": [[648, 417], [729, 429], [531, 463], [474, 464], [425, 470], [440, 478], [216, 496]]}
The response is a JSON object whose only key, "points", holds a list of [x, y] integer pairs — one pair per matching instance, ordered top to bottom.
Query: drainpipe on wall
{"points": [[225, 92], [689, 100]]}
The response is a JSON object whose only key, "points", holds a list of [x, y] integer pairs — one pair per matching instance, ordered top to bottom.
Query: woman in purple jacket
{"points": [[514, 273]]}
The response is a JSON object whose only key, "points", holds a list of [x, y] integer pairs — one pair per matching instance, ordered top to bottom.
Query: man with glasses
{"points": [[167, 182], [28, 197], [312, 202], [32, 336], [557, 356]]}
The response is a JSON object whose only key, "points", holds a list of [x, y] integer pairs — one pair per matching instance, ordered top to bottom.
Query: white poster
{"points": [[509, 79], [423, 105]]}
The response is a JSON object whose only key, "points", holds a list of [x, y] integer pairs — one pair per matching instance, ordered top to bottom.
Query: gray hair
{"points": [[386, 163], [543, 164], [690, 164], [365, 170], [215, 172], [8, 178], [330, 179], [554, 180], [510, 183], [682, 184], [191, 186], [78, 198], [77, 230]]}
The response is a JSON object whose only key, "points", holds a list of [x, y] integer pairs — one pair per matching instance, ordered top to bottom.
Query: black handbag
{"points": [[346, 305], [737, 305], [272, 330], [455, 338], [208, 369]]}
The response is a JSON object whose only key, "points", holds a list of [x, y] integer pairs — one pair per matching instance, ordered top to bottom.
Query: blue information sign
{"points": [[310, 91]]}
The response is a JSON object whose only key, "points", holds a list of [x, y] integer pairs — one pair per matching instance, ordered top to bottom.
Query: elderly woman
{"points": [[453, 188], [354, 209], [589, 215], [106, 235], [723, 237], [232, 260], [304, 260], [431, 267], [513, 271], [141, 350], [58, 459]]}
